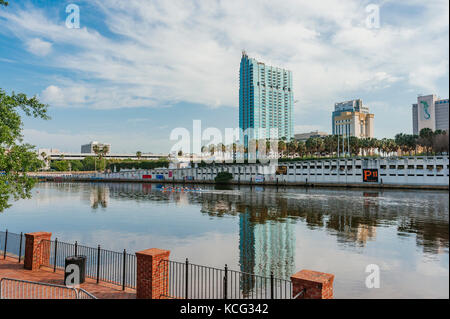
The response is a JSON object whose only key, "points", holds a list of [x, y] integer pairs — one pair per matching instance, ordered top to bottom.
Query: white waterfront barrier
{"points": [[412, 170]]}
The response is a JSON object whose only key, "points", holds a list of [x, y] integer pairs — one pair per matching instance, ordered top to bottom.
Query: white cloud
{"points": [[39, 47], [164, 52], [53, 95]]}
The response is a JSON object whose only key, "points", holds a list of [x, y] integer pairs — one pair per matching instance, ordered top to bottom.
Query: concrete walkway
{"points": [[10, 268]]}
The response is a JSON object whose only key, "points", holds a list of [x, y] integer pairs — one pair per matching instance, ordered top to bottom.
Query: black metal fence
{"points": [[12, 245], [101, 264], [184, 280], [191, 281], [11, 288]]}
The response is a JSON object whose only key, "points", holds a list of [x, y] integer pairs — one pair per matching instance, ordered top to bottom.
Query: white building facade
{"points": [[430, 112]]}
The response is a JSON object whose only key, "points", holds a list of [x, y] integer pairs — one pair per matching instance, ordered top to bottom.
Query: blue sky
{"points": [[135, 70]]}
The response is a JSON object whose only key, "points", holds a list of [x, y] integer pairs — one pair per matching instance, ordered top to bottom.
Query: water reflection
{"points": [[99, 197], [352, 216], [261, 229]]}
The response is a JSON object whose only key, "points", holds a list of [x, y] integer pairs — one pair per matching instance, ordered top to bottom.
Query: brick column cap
{"points": [[39, 233], [152, 252], [313, 276]]}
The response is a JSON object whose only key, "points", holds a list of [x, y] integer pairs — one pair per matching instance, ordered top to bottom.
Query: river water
{"points": [[260, 229]]}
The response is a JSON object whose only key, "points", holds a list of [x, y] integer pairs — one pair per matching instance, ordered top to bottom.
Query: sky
{"points": [[135, 70]]}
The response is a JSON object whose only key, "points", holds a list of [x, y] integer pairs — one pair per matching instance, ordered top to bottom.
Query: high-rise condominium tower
{"points": [[265, 100]]}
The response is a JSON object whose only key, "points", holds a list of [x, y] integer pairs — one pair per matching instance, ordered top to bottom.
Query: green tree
{"points": [[426, 138], [441, 142], [330, 144], [311, 145], [354, 145], [282, 146], [301, 148], [100, 152], [139, 155], [17, 159], [88, 163], [76, 165], [60, 166], [223, 177]]}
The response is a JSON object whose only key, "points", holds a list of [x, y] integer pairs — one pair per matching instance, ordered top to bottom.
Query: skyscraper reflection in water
{"points": [[265, 246]]}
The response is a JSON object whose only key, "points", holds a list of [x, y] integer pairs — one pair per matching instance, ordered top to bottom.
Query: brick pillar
{"points": [[37, 252], [152, 280], [318, 285]]}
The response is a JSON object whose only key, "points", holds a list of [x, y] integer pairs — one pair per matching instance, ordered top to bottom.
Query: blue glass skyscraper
{"points": [[265, 100]]}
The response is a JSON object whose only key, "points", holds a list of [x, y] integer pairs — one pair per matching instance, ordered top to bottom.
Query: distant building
{"points": [[265, 100], [430, 112], [352, 118], [305, 136], [89, 148], [54, 154]]}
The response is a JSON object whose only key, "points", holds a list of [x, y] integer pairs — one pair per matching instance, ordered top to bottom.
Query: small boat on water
{"points": [[171, 189]]}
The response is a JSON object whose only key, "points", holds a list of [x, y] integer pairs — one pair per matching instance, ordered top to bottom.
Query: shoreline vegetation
{"points": [[427, 143], [87, 164]]}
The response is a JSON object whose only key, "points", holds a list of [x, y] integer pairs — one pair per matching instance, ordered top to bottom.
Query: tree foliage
{"points": [[16, 159], [223, 177]]}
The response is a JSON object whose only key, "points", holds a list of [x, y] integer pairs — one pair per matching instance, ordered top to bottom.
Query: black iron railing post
{"points": [[6, 242], [20, 246], [76, 248], [56, 254], [98, 263], [124, 268], [225, 283], [186, 285], [271, 285]]}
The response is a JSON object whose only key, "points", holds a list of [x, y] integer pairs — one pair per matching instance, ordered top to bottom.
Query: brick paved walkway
{"points": [[10, 268]]}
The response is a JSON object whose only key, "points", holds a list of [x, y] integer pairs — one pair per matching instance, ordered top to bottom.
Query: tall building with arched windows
{"points": [[352, 118]]}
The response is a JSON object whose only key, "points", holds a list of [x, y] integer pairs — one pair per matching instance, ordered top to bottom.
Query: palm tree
{"points": [[426, 138], [440, 142], [330, 143], [364, 143], [268, 144], [373, 144], [315, 145], [354, 145], [282, 146], [292, 146], [320, 146], [384, 146], [393, 146], [301, 148], [212, 149], [234, 149], [96, 150], [100, 152], [139, 155], [44, 158]]}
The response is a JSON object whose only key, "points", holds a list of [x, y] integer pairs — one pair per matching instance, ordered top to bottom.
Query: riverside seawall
{"points": [[421, 172]]}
